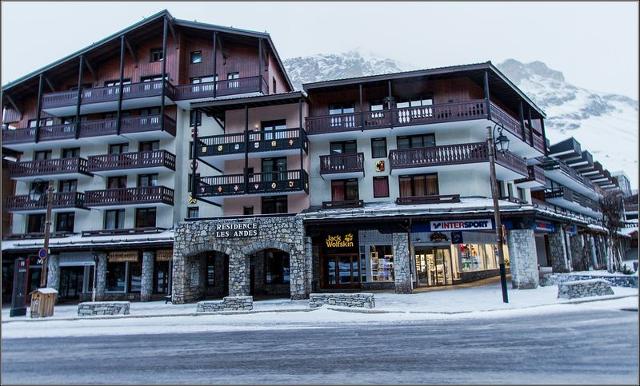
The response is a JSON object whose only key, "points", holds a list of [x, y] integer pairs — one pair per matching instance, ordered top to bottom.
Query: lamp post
{"points": [[502, 143], [36, 195]]}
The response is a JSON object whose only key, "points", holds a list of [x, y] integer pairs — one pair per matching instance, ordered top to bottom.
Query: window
{"points": [[155, 55], [196, 57], [204, 79], [116, 82], [231, 83], [274, 86], [418, 102], [377, 109], [414, 109], [193, 115], [342, 120], [43, 122], [273, 129], [416, 141], [149, 146], [344, 147], [378, 147], [119, 148], [73, 152], [41, 155], [273, 169], [147, 180], [117, 182], [419, 185], [67, 186], [500, 186], [40, 187], [380, 187], [510, 189], [344, 190], [522, 195], [274, 204], [247, 210], [193, 212], [145, 217], [114, 219], [64, 222], [35, 223], [381, 258], [276, 266], [211, 271], [116, 272], [135, 275], [161, 277]]}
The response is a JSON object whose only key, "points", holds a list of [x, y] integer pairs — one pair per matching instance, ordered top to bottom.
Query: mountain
{"points": [[606, 124]]}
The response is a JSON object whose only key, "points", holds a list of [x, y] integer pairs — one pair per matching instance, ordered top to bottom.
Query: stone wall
{"points": [[285, 233], [557, 251], [523, 258], [402, 263], [53, 272], [101, 276], [629, 281], [146, 285], [584, 288], [363, 300], [229, 303], [103, 308]]}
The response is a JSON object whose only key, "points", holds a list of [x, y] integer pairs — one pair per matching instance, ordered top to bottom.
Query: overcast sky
{"points": [[595, 45]]}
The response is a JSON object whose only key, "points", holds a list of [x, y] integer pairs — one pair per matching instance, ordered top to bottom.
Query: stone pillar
{"points": [[567, 243], [575, 245], [557, 251], [592, 251], [308, 256], [523, 258], [402, 263], [53, 272], [239, 275], [101, 276], [146, 285], [298, 288]]}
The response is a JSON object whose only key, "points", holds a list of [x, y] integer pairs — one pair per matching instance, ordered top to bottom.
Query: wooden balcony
{"points": [[248, 85], [101, 99], [423, 115], [147, 127], [216, 149], [448, 157], [151, 161], [342, 165], [51, 169], [562, 173], [535, 180], [269, 183], [139, 197], [566, 198], [433, 199], [65, 200], [342, 204], [119, 232], [36, 235]]}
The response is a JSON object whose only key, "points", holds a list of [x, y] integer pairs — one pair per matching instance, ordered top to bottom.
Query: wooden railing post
{"points": [[165, 27], [215, 58], [79, 97], [487, 97], [39, 107]]}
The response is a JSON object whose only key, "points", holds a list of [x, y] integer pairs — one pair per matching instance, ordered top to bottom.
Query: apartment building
{"points": [[109, 128], [222, 180]]}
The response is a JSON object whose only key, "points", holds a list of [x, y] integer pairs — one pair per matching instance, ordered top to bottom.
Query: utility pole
{"points": [[47, 234]]}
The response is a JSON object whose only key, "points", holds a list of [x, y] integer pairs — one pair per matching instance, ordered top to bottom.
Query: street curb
{"points": [[338, 309]]}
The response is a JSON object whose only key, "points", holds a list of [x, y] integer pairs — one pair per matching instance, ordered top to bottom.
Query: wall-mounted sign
{"points": [[380, 166], [461, 225], [543, 226], [227, 230], [438, 237], [456, 237], [338, 241]]}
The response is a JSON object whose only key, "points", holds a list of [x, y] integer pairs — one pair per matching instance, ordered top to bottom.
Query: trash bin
{"points": [[42, 302]]}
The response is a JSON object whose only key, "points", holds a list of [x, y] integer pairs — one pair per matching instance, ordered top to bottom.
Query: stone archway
{"points": [[239, 238]]}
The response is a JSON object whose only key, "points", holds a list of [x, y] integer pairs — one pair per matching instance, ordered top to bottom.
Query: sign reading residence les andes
{"points": [[228, 230]]}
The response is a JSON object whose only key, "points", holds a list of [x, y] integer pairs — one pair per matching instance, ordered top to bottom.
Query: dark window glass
{"points": [[156, 55], [196, 57], [152, 78], [231, 82], [111, 83], [274, 86], [415, 102], [341, 108], [193, 115], [270, 129], [416, 141], [149, 146], [343, 147], [378, 147], [118, 148], [71, 152], [42, 155], [274, 169], [147, 180], [117, 182], [419, 185], [67, 186], [500, 186], [40, 187], [380, 187], [189, 188], [344, 190], [521, 195], [274, 204], [247, 210], [193, 212], [145, 217], [114, 219], [64, 222], [35, 223], [276, 266], [211, 271], [116, 272], [135, 276], [161, 277]]}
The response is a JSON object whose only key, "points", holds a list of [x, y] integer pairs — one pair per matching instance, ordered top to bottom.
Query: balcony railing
{"points": [[222, 88], [107, 94], [262, 141], [453, 155], [133, 160], [341, 163], [551, 164], [48, 167], [535, 173], [266, 182], [569, 195], [124, 196], [433, 199], [58, 201], [342, 204], [128, 231], [36, 235]]}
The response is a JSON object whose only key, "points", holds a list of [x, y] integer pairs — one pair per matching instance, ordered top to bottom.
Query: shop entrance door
{"points": [[433, 265], [342, 271], [70, 283]]}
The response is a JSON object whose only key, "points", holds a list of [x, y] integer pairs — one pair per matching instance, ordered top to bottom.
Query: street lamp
{"points": [[501, 143], [36, 195]]}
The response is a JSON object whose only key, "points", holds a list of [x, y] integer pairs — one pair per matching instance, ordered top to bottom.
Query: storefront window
{"points": [[476, 257], [381, 258], [276, 267], [116, 273], [135, 276], [161, 277]]}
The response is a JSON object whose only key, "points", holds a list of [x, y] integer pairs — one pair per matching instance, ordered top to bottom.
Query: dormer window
{"points": [[156, 55], [196, 57]]}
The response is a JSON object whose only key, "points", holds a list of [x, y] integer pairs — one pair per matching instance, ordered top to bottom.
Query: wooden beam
{"points": [[165, 27], [173, 33], [132, 52], [215, 63], [90, 68], [49, 84], [121, 86], [487, 95], [12, 103], [39, 107], [76, 127]]}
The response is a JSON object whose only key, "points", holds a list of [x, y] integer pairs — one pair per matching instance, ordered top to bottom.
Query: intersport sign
{"points": [[461, 225]]}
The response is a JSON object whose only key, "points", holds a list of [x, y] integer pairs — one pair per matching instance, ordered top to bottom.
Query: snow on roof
{"points": [[77, 240], [46, 290]]}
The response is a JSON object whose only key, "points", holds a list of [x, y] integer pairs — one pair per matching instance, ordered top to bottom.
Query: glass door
{"points": [[433, 266], [342, 271]]}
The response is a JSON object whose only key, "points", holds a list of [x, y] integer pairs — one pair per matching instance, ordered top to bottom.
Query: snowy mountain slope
{"points": [[605, 124]]}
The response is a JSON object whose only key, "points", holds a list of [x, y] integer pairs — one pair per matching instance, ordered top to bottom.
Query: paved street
{"points": [[594, 346]]}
